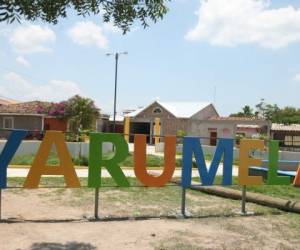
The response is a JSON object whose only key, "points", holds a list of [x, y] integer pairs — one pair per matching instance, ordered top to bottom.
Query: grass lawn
{"points": [[152, 160], [282, 191], [136, 200]]}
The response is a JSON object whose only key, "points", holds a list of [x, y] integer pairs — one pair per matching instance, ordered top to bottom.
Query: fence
{"points": [[82, 149]]}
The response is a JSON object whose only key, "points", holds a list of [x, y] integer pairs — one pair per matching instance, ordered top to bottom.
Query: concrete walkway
{"points": [[23, 172]]}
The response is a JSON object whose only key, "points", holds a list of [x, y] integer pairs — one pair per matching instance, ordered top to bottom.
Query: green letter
{"points": [[96, 160], [273, 179]]}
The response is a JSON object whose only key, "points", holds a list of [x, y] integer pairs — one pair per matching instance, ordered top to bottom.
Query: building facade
{"points": [[27, 116], [174, 117], [192, 119], [287, 135]]}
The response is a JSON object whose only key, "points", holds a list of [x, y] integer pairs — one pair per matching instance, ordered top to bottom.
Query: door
{"points": [[139, 128], [213, 138]]}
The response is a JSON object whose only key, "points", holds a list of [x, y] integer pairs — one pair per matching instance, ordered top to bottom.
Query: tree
{"points": [[122, 13], [260, 109], [247, 111], [81, 112], [271, 112], [288, 115]]}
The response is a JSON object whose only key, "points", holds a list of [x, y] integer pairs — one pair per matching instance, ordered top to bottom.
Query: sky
{"points": [[231, 53]]}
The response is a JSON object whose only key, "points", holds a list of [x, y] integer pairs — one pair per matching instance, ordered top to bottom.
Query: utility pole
{"points": [[117, 55]]}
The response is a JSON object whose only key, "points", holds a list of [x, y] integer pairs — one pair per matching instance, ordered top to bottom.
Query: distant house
{"points": [[31, 116], [174, 117], [199, 119], [229, 127], [248, 130], [288, 135]]}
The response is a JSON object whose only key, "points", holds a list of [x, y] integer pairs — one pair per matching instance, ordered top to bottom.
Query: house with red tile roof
{"points": [[34, 116]]}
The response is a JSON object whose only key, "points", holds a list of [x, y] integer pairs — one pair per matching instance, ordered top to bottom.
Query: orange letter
{"points": [[140, 161], [246, 161], [40, 168], [297, 178]]}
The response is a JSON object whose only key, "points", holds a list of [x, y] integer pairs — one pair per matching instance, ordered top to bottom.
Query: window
{"points": [[157, 110], [8, 122], [288, 140], [296, 141]]}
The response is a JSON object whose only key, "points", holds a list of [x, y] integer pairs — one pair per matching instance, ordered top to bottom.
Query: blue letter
{"points": [[192, 145], [8, 152]]}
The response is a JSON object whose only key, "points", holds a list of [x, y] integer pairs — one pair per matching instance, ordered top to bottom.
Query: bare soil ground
{"points": [[138, 218]]}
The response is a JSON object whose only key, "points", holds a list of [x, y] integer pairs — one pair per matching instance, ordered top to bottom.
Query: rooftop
{"points": [[6, 101], [24, 107], [178, 109], [119, 118], [232, 118], [282, 127]]}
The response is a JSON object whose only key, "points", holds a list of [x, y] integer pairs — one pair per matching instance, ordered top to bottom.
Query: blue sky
{"points": [[246, 49]]}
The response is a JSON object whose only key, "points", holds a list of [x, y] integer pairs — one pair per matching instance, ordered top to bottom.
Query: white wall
{"points": [[202, 129], [75, 148], [283, 155]]}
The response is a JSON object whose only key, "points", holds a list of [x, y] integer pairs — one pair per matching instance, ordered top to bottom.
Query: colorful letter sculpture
{"points": [[191, 145], [191, 148], [8, 152], [96, 160], [246, 160], [140, 161], [39, 166], [273, 178], [297, 178]]}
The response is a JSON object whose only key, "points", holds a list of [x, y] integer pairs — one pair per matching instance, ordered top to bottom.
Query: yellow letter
{"points": [[126, 128], [246, 161], [40, 168]]}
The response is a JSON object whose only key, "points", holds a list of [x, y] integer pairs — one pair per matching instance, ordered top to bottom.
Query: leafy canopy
{"points": [[123, 13], [271, 112], [82, 113]]}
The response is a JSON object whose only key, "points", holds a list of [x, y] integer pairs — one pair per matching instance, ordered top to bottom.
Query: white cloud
{"points": [[234, 22], [88, 33], [31, 39], [22, 61], [297, 77], [17, 87]]}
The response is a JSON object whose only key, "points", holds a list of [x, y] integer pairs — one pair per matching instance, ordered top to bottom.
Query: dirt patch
{"points": [[61, 219], [206, 233]]}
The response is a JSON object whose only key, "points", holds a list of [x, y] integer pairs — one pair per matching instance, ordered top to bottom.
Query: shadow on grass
{"points": [[60, 246]]}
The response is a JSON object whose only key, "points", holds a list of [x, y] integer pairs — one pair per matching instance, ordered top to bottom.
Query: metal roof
{"points": [[178, 109], [119, 118], [234, 118], [282, 127]]}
